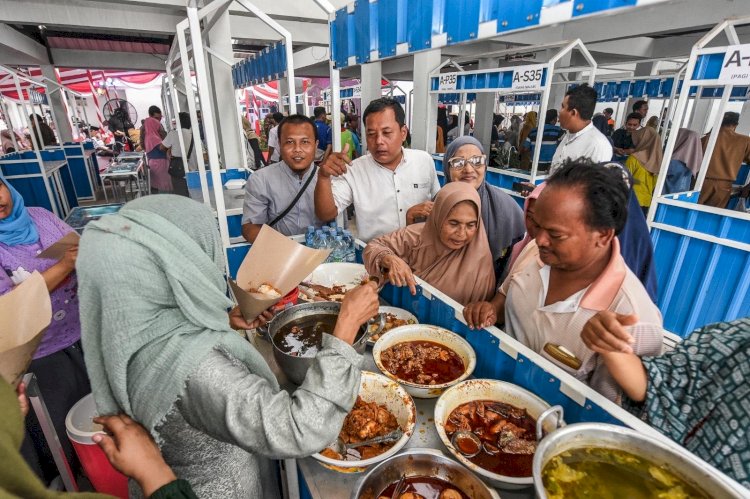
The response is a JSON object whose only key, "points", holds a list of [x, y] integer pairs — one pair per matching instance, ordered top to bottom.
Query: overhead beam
{"points": [[254, 29], [22, 44], [87, 59]]}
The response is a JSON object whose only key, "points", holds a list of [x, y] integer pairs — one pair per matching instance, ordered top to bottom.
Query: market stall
{"points": [[511, 80]]}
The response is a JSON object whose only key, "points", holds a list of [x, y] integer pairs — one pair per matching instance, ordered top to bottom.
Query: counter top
{"points": [[233, 198]]}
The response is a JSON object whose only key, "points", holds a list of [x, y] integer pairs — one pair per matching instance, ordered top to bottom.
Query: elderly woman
{"points": [[464, 161], [450, 250], [546, 301], [158, 347], [58, 361]]}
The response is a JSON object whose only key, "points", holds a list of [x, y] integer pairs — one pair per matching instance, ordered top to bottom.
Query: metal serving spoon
{"points": [[467, 435], [342, 448]]}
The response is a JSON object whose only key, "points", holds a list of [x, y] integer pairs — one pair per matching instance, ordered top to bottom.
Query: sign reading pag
{"points": [[735, 70], [528, 77], [447, 81]]}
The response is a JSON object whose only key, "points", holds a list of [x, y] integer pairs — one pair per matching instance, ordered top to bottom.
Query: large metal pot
{"points": [[296, 368], [661, 452], [422, 462]]}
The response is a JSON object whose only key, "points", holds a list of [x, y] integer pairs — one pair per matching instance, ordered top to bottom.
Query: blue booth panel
{"points": [[84, 187]]}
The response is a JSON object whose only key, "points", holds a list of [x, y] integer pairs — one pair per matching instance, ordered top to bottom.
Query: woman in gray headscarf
{"points": [[465, 161], [159, 348]]}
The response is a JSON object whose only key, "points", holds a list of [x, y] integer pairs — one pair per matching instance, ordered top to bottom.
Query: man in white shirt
{"points": [[582, 139], [274, 153], [177, 169], [390, 187]]}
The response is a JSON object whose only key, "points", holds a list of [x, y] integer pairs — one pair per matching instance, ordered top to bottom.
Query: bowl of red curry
{"points": [[426, 360], [504, 417]]}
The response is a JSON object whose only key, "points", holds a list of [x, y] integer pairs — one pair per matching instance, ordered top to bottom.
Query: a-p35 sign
{"points": [[735, 69], [528, 77], [447, 81]]}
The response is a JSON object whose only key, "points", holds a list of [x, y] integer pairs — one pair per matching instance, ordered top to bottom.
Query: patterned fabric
{"points": [[17, 227], [18, 262], [699, 396]]}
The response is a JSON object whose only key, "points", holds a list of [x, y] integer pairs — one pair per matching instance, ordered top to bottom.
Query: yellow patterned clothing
{"points": [[645, 181]]}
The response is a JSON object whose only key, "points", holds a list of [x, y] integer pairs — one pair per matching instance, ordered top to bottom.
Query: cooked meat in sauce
{"points": [[391, 321], [423, 362], [366, 420], [507, 434], [424, 487]]}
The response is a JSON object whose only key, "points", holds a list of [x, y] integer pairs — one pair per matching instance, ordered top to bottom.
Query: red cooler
{"points": [[80, 428]]}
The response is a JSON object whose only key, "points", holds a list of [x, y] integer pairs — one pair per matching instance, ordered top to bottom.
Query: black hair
{"points": [[583, 99], [639, 104], [380, 105], [152, 110], [609, 110], [319, 111], [551, 116], [634, 116], [277, 117], [298, 119], [498, 119], [730, 119], [184, 120], [604, 192]]}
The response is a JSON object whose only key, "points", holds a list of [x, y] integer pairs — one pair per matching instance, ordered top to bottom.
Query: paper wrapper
{"points": [[57, 250], [276, 260], [25, 312]]}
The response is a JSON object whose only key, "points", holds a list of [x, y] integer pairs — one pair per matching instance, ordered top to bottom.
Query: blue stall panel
{"points": [[586, 7], [516, 15], [419, 24], [462, 26], [387, 27], [362, 39], [79, 171]]}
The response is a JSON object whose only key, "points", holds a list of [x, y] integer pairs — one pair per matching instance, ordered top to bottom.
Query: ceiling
{"points": [[137, 34]]}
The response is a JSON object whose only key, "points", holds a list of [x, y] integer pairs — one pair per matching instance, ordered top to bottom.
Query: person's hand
{"points": [[619, 151], [336, 163], [527, 188], [745, 192], [418, 211], [68, 259], [399, 273], [360, 305], [480, 314], [238, 322], [605, 332], [23, 400], [131, 451]]}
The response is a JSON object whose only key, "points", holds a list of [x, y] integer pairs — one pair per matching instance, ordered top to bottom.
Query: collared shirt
{"points": [[324, 134], [273, 141], [588, 143], [269, 191], [381, 196], [617, 289]]}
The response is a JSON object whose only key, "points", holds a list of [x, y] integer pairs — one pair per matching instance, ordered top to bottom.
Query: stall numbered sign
{"points": [[735, 70], [528, 77], [447, 81], [357, 91]]}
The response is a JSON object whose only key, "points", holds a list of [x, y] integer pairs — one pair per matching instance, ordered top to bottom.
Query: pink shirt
{"points": [[617, 289]]}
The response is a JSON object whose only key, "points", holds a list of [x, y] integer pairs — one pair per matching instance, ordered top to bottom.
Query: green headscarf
{"points": [[153, 303]]}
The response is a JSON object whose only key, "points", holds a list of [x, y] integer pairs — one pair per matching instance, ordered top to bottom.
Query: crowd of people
{"points": [[570, 276]]}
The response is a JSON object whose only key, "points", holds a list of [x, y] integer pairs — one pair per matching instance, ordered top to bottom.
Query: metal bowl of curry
{"points": [[426, 360]]}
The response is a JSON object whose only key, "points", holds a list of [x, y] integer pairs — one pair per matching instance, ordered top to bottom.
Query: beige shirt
{"points": [[617, 289]]}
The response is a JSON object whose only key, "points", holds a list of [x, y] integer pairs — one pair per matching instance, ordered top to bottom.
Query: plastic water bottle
{"points": [[309, 236], [317, 239], [339, 250], [351, 252]]}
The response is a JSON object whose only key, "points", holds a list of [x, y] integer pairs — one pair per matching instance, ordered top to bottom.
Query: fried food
{"points": [[268, 291], [391, 321], [423, 362], [366, 420]]}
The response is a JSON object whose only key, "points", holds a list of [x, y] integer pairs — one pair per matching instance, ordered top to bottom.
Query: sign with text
{"points": [[735, 70], [528, 77], [447, 81], [357, 91]]}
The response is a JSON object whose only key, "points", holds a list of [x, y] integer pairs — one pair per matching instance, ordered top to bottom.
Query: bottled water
{"points": [[310, 236], [317, 239], [339, 250], [351, 252]]}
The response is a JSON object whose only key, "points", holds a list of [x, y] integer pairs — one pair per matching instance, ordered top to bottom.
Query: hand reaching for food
{"points": [[399, 273], [359, 305]]}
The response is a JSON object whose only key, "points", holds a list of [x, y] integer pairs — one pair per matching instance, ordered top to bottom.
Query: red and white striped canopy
{"points": [[74, 79]]}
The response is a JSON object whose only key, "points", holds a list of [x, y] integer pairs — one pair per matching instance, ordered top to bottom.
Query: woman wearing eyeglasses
{"points": [[464, 161], [449, 251]]}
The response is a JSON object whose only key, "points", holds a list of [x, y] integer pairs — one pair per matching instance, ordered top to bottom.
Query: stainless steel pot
{"points": [[296, 368], [680, 461], [422, 462]]}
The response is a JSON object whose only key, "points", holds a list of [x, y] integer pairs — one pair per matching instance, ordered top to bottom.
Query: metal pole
{"points": [[287, 46], [201, 74], [176, 108], [26, 116], [9, 124], [241, 130], [712, 138], [197, 142]]}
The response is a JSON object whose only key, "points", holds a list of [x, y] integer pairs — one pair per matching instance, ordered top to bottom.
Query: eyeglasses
{"points": [[477, 162]]}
